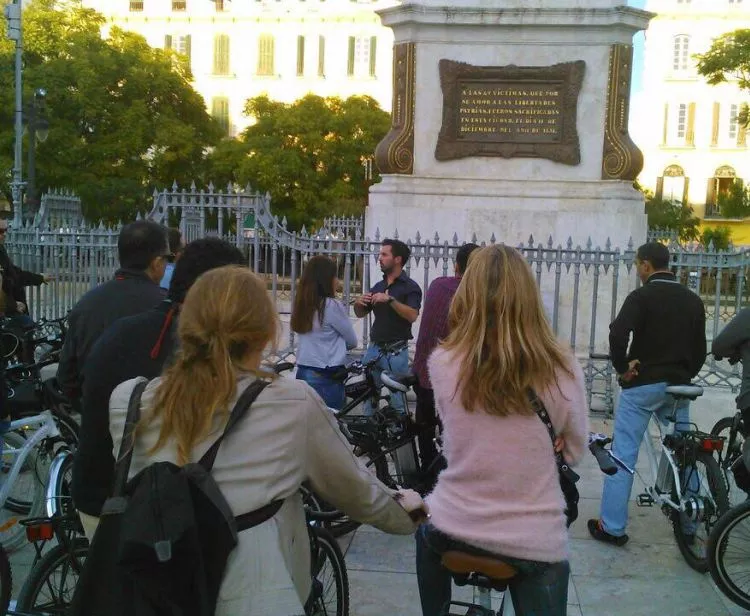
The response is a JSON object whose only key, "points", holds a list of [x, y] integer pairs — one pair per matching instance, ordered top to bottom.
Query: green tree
{"points": [[728, 59], [123, 116], [309, 155], [736, 202], [672, 216], [720, 238]]}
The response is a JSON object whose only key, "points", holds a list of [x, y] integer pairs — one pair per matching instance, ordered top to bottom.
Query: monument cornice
{"points": [[577, 18]]}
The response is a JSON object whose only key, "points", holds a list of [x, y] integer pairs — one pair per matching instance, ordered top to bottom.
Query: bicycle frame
{"points": [[45, 428], [658, 497]]}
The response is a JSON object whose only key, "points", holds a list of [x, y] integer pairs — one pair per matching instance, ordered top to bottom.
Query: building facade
{"points": [[238, 49], [694, 148]]}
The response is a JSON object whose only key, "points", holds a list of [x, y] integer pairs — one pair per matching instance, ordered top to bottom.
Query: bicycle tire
{"points": [[723, 427], [718, 490], [59, 498], [12, 532], [717, 549], [328, 550], [42, 572], [6, 581]]}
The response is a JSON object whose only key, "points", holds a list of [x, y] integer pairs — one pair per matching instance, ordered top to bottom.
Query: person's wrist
{"points": [[391, 300]]}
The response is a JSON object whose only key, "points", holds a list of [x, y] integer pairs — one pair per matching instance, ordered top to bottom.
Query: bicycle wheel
{"points": [[731, 451], [26, 495], [59, 497], [709, 501], [319, 512], [729, 555], [6, 581], [51, 583], [330, 584]]}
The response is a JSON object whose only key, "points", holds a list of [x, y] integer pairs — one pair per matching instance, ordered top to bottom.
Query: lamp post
{"points": [[12, 14], [38, 128]]}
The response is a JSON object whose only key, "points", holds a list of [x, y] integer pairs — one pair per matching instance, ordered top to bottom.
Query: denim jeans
{"points": [[398, 363], [331, 390], [637, 405], [539, 589]]}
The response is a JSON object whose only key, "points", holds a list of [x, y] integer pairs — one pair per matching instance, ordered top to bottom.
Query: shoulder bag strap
{"points": [[541, 411], [238, 412], [122, 466]]}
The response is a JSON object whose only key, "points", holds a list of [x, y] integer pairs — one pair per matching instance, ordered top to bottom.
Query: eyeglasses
{"points": [[3, 231]]}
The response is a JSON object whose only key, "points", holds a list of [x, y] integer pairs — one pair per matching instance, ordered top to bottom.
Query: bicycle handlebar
{"points": [[609, 463]]}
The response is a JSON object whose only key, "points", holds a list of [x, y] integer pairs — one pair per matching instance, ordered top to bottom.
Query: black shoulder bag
{"points": [[568, 477]]}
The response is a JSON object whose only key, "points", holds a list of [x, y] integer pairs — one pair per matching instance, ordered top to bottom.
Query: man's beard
{"points": [[386, 269]]}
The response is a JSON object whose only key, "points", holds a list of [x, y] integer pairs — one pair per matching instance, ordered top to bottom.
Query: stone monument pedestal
{"points": [[510, 118]]}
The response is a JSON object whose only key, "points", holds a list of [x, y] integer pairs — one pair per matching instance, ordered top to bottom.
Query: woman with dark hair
{"points": [[324, 330]]}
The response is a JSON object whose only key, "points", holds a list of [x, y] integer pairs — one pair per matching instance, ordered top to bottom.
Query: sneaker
{"points": [[598, 533]]}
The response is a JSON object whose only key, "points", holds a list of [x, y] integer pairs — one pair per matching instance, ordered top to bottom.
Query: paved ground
{"points": [[648, 577]]}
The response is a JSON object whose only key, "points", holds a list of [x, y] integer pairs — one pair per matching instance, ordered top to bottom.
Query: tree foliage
{"points": [[728, 59], [123, 116], [309, 155], [736, 202], [669, 215], [718, 238]]}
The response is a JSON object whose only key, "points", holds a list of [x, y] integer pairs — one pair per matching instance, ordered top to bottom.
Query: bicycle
{"points": [[733, 430], [729, 554], [329, 594]]}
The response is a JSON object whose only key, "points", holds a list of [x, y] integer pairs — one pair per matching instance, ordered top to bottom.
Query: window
{"points": [[136, 5], [179, 5], [219, 5], [179, 44], [680, 52], [221, 54], [265, 55], [300, 56], [321, 56], [361, 56], [220, 111], [733, 112], [682, 121], [673, 184], [719, 186]]}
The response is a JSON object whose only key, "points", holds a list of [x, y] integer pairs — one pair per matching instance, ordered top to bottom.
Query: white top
{"points": [[327, 343]]}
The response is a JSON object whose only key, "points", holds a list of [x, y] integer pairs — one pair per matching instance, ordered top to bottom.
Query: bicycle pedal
{"points": [[644, 500]]}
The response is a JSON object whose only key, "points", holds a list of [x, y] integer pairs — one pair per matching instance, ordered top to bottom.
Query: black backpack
{"points": [[164, 537]]}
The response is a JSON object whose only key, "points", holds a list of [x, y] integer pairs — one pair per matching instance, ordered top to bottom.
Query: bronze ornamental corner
{"points": [[395, 153], [622, 160]]}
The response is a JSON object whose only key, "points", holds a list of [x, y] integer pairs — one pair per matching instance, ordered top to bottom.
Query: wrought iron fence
{"points": [[582, 286]]}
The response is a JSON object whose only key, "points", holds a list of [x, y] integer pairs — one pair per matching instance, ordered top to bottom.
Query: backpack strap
{"points": [[238, 412], [122, 466]]}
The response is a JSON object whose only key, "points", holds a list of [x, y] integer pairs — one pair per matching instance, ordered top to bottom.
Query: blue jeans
{"points": [[398, 363], [331, 390], [637, 405], [539, 589]]}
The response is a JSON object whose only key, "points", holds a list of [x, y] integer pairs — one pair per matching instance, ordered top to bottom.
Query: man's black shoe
{"points": [[598, 533]]}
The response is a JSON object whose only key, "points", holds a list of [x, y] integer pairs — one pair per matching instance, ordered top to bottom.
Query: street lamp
{"points": [[12, 12], [38, 128]]}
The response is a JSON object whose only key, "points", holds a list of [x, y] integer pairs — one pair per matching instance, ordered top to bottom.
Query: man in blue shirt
{"points": [[395, 302]]}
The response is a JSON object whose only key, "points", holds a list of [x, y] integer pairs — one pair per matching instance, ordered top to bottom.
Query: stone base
{"points": [[511, 210]]}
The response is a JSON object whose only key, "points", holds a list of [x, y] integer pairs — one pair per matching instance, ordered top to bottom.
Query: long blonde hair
{"points": [[226, 316], [499, 331]]}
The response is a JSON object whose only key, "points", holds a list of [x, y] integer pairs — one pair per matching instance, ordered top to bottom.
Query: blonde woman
{"points": [[287, 436], [500, 493]]}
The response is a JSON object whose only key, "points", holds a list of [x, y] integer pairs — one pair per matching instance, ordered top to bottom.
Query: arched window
{"points": [[681, 52], [721, 184], [673, 185]]}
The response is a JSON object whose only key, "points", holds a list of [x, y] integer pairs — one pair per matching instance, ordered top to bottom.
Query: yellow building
{"points": [[284, 48], [693, 147]]}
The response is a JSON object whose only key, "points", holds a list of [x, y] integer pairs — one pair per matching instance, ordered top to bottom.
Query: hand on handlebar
{"points": [[413, 504]]}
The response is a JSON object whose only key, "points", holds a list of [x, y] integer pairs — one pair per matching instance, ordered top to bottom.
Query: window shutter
{"points": [[167, 41], [189, 48], [373, 54], [217, 55], [300, 56], [321, 56], [350, 58], [715, 124], [665, 133], [690, 134], [741, 135], [686, 184], [659, 188], [711, 196]]}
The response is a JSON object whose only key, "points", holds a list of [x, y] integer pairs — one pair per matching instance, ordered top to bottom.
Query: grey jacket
{"points": [[733, 343]]}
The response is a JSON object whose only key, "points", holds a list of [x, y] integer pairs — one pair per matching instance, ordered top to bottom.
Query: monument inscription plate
{"points": [[510, 111]]}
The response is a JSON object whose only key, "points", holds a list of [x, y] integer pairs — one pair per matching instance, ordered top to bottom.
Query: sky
{"points": [[638, 42]]}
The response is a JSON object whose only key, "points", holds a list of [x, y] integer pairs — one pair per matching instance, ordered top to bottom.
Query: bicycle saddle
{"points": [[398, 382], [684, 392], [486, 571]]}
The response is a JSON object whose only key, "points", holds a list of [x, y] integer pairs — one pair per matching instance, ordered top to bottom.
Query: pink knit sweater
{"points": [[501, 491]]}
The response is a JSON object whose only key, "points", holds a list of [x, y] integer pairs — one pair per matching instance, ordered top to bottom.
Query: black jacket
{"points": [[14, 281], [130, 292], [668, 323], [733, 342], [133, 346]]}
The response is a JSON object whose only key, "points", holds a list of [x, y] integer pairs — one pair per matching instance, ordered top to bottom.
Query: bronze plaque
{"points": [[510, 111]]}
